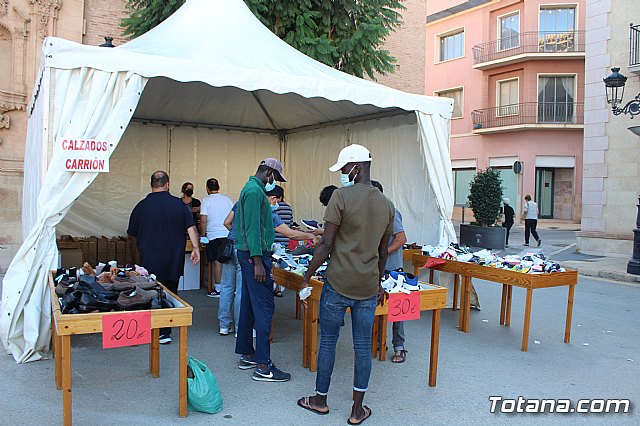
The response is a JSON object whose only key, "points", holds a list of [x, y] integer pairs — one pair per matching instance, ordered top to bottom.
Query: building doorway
{"points": [[544, 191]]}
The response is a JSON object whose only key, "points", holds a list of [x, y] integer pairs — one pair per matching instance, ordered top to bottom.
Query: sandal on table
{"points": [[399, 356], [305, 403]]}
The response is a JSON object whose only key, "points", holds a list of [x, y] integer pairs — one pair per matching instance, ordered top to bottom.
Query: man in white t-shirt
{"points": [[214, 209], [531, 220]]}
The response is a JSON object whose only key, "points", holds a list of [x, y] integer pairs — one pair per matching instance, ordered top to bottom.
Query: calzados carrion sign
{"points": [[85, 155]]}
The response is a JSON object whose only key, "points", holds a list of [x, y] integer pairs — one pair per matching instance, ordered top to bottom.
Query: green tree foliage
{"points": [[344, 34], [485, 195]]}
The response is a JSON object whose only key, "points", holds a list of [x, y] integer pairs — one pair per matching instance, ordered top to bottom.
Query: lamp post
{"points": [[614, 85]]}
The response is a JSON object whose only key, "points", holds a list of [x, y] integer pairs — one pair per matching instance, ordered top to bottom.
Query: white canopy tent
{"points": [[214, 74]]}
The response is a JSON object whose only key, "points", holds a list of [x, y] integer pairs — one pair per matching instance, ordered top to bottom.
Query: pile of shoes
{"points": [[530, 263], [298, 264], [399, 282], [83, 292]]}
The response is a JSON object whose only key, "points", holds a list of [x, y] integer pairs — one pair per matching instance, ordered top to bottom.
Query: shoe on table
{"points": [[311, 224], [215, 294], [225, 331], [165, 339], [246, 363], [270, 374]]}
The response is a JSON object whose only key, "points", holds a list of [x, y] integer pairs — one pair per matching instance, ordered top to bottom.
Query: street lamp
{"points": [[614, 85]]}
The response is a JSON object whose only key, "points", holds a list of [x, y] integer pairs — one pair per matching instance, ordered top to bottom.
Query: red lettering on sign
{"points": [[404, 307], [126, 329]]}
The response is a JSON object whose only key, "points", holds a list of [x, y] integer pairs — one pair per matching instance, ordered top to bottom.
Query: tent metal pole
{"points": [[266, 113], [375, 116]]}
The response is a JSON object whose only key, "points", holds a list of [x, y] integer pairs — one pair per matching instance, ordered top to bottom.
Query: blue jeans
{"points": [[230, 292], [332, 309], [256, 310], [397, 330]]}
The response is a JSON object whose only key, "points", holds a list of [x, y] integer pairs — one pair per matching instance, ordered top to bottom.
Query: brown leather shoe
{"points": [[137, 299]]}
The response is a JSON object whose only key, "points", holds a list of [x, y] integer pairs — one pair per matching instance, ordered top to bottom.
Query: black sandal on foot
{"points": [[399, 356], [304, 403], [367, 414]]}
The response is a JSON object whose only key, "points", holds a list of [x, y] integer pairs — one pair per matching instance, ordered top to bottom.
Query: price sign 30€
{"points": [[404, 307], [126, 329]]}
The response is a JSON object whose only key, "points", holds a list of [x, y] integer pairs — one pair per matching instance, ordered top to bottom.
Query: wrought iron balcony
{"points": [[529, 43], [634, 48], [529, 115]]}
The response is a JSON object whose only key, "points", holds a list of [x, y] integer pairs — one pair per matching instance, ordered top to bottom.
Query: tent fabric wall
{"points": [[89, 104], [186, 153], [397, 164]]}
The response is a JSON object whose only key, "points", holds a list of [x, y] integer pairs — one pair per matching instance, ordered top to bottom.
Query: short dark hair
{"points": [[262, 168], [159, 179], [213, 185], [377, 185], [184, 186], [278, 191], [325, 194], [527, 197]]}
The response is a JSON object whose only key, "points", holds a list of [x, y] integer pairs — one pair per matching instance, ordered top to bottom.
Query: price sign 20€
{"points": [[404, 307], [126, 329]]}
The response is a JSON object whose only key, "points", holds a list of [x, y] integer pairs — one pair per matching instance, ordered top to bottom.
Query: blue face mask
{"points": [[344, 178], [269, 186], [275, 206]]}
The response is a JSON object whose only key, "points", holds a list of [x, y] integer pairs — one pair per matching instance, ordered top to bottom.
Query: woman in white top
{"points": [[531, 220]]}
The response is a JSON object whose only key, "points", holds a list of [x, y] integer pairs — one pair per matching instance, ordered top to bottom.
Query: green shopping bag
{"points": [[203, 393]]}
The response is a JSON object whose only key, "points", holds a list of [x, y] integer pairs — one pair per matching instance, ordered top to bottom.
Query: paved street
{"points": [[602, 361]]}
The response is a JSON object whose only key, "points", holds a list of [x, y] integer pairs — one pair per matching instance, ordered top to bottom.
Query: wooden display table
{"points": [[508, 279], [434, 298], [63, 326]]}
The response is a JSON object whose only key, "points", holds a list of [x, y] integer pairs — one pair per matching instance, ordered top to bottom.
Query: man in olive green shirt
{"points": [[358, 226], [254, 237]]}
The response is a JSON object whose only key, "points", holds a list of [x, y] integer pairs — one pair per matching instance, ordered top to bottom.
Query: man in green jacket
{"points": [[254, 237]]}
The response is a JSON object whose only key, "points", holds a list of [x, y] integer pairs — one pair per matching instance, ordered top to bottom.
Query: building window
{"points": [[557, 28], [509, 29], [452, 45], [556, 96], [508, 97], [458, 100], [462, 180]]}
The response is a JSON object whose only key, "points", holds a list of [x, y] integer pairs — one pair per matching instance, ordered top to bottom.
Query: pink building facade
{"points": [[516, 72]]}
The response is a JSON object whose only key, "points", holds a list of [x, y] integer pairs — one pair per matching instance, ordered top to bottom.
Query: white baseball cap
{"points": [[351, 154]]}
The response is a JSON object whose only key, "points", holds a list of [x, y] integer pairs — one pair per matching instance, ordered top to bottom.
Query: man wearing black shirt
{"points": [[508, 218], [158, 223]]}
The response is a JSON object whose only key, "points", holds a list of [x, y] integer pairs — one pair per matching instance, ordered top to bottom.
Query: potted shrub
{"points": [[485, 196]]}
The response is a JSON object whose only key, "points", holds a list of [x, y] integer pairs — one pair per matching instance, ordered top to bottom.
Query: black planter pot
{"points": [[489, 237]]}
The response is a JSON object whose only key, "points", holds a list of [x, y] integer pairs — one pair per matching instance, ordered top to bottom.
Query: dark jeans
{"points": [[508, 226], [530, 227], [172, 285], [332, 309], [256, 310]]}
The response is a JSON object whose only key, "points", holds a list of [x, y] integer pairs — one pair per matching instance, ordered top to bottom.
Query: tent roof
{"points": [[213, 62]]}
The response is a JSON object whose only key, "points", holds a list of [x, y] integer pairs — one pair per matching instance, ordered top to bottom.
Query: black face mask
{"points": [[188, 192]]}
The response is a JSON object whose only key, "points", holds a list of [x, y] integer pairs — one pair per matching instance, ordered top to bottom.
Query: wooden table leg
{"points": [[431, 274], [456, 285], [463, 295], [467, 304], [503, 304], [298, 308], [507, 319], [527, 321], [567, 327], [306, 335], [375, 336], [383, 337], [313, 342], [65, 349], [154, 353], [433, 353], [57, 354], [182, 367]]}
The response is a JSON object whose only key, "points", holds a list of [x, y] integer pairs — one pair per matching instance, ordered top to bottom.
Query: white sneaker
{"points": [[225, 331]]}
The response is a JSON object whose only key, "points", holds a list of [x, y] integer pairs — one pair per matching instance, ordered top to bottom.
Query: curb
{"points": [[608, 275]]}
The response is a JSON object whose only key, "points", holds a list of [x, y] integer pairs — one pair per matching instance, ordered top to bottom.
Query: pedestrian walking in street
{"points": [[531, 220], [507, 221]]}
